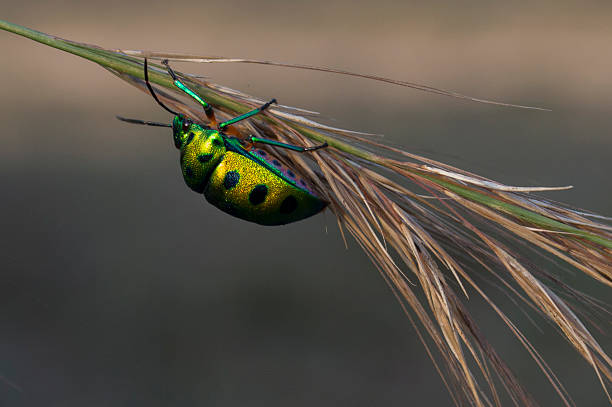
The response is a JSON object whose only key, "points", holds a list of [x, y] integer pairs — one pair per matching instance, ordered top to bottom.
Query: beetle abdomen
{"points": [[245, 189]]}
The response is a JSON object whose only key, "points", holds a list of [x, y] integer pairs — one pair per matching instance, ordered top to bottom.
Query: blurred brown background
{"points": [[120, 287]]}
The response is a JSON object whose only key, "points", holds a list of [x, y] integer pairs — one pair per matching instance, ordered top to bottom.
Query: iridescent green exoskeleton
{"points": [[240, 180]]}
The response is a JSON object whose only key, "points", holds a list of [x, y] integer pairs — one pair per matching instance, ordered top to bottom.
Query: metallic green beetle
{"points": [[245, 183]]}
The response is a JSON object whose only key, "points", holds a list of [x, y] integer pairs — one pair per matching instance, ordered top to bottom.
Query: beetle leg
{"points": [[210, 114], [247, 114], [232, 131], [248, 143]]}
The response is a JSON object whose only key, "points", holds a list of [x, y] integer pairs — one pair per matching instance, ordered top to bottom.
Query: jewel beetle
{"points": [[245, 182]]}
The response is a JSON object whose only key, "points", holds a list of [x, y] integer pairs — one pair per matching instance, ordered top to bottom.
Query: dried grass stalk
{"points": [[439, 221]]}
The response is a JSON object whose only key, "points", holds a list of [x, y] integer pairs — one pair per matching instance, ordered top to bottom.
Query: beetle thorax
{"points": [[201, 151]]}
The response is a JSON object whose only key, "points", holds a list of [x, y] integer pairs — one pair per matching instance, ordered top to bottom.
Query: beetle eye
{"points": [[186, 125]]}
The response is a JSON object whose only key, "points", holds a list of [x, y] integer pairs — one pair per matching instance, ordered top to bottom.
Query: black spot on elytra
{"points": [[190, 137], [217, 141], [204, 158], [276, 163], [188, 172], [291, 174], [231, 179], [258, 194], [289, 205]]}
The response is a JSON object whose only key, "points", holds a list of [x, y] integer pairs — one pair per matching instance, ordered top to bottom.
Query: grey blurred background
{"points": [[120, 287]]}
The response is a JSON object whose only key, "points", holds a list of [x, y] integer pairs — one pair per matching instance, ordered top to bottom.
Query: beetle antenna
{"points": [[146, 76], [146, 123]]}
